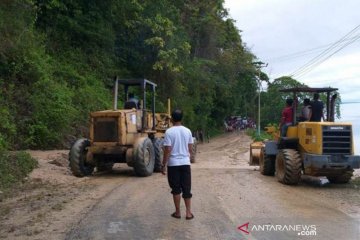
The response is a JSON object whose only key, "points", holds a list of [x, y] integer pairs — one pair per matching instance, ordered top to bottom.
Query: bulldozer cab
{"points": [[296, 93], [329, 105], [143, 108], [151, 121]]}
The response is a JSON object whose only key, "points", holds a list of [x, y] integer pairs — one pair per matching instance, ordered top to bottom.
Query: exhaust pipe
{"points": [[116, 93], [169, 106], [332, 108]]}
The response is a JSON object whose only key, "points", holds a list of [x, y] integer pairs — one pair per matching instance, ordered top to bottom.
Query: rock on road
{"points": [[231, 200]]}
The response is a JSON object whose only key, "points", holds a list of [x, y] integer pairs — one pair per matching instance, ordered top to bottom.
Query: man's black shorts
{"points": [[179, 178]]}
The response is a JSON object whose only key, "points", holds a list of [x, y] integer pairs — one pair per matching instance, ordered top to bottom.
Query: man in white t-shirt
{"points": [[177, 149]]}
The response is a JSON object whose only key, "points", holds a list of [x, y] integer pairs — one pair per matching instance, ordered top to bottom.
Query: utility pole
{"points": [[259, 65], [259, 81]]}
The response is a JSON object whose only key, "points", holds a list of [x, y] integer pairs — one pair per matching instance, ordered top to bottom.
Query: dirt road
{"points": [[230, 201]]}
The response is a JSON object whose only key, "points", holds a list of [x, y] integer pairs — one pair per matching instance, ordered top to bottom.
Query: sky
{"points": [[287, 34]]}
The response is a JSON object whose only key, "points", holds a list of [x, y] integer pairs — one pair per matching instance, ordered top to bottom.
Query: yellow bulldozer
{"points": [[133, 135], [309, 148]]}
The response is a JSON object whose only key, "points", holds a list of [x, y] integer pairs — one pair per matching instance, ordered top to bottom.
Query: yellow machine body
{"points": [[323, 137]]}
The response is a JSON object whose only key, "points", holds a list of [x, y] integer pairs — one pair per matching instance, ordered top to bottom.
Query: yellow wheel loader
{"points": [[132, 135], [310, 148]]}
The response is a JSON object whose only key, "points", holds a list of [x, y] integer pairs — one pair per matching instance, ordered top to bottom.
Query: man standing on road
{"points": [[177, 150]]}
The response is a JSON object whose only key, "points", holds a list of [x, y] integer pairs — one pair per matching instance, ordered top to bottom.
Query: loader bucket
{"points": [[255, 149]]}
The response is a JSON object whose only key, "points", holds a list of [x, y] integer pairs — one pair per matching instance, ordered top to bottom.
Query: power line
{"points": [[334, 45], [301, 53], [295, 54], [326, 58], [318, 59], [311, 65], [331, 81]]}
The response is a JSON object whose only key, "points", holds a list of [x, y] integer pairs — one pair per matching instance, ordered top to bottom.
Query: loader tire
{"points": [[159, 154], [77, 158], [144, 158], [266, 163], [288, 166], [341, 179]]}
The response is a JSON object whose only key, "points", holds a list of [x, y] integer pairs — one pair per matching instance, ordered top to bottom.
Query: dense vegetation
{"points": [[58, 59], [14, 167]]}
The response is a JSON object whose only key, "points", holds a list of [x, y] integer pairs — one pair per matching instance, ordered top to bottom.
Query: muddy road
{"points": [[231, 200]]}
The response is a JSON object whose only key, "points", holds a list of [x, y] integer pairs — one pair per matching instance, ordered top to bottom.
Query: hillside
{"points": [[58, 60]]}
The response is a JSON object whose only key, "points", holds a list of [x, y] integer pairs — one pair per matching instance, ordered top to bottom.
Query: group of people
{"points": [[311, 111], [238, 123]]}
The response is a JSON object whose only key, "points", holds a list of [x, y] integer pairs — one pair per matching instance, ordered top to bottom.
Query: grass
{"points": [[215, 132], [256, 137], [15, 166]]}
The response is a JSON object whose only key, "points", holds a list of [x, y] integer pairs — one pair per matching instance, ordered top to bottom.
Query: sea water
{"points": [[350, 113]]}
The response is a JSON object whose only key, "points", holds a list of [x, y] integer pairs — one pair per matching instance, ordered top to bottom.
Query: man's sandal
{"points": [[175, 216], [189, 218]]}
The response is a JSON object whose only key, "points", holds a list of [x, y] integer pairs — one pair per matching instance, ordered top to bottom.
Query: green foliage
{"points": [[58, 59], [45, 89], [273, 101], [53, 114], [274, 125], [7, 126], [213, 132], [256, 137], [14, 168]]}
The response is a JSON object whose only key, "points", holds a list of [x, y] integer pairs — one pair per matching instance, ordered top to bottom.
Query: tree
{"points": [[58, 59], [274, 101]]}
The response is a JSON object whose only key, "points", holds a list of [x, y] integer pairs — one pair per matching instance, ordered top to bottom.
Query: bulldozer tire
{"points": [[193, 151], [159, 153], [77, 158], [144, 158], [266, 163], [288, 166], [344, 178]]}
